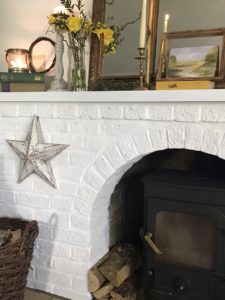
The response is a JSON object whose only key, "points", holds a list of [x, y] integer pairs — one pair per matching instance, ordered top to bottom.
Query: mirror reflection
{"points": [[184, 15], [42, 56], [123, 62]]}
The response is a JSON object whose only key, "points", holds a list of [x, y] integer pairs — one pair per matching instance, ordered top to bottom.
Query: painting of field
{"points": [[193, 61]]}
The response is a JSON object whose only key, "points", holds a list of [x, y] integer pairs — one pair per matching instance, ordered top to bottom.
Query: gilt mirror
{"points": [[184, 15], [118, 70]]}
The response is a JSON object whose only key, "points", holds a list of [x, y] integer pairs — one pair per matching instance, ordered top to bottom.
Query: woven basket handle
{"points": [[31, 229]]}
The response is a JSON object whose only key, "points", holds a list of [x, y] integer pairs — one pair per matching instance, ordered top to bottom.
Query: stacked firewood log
{"points": [[117, 276]]}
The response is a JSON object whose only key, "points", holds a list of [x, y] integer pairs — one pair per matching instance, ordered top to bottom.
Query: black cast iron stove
{"points": [[184, 247]]}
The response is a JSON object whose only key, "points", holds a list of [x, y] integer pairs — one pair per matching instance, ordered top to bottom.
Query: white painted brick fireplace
{"points": [[108, 132]]}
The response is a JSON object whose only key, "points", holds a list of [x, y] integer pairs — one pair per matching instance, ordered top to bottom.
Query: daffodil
{"points": [[51, 20], [74, 23], [79, 27], [98, 31], [107, 33], [108, 36], [113, 50]]}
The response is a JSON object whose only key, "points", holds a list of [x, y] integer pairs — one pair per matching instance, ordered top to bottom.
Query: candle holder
{"points": [[165, 56], [141, 59], [18, 60], [58, 84]]}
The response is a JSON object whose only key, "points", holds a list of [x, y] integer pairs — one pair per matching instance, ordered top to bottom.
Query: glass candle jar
{"points": [[18, 60]]}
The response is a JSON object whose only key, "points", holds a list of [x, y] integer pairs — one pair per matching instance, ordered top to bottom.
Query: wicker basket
{"points": [[15, 258]]}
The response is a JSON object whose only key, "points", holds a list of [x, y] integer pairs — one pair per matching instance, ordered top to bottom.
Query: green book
{"points": [[22, 77]]}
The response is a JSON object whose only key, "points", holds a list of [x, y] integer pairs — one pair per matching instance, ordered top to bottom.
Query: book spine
{"points": [[22, 77], [5, 86]]}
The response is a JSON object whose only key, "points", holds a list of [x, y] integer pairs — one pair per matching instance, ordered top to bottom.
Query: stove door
{"points": [[184, 264]]}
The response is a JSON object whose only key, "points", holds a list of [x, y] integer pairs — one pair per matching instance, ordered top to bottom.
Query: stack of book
{"points": [[22, 82]]}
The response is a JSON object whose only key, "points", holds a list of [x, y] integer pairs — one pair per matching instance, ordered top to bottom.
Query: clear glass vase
{"points": [[78, 74]]}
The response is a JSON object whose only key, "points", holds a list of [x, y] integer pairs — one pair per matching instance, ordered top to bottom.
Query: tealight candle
{"points": [[18, 60], [18, 63]]}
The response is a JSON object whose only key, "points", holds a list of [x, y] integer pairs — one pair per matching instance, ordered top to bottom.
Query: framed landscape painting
{"points": [[201, 61]]}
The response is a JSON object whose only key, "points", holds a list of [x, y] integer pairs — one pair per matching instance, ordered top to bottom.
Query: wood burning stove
{"points": [[184, 247]]}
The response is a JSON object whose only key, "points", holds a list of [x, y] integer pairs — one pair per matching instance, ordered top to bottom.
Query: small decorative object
{"points": [[71, 19], [142, 42], [165, 45], [42, 52], [40, 58], [141, 59], [18, 60], [192, 63], [58, 84], [185, 85], [35, 154]]}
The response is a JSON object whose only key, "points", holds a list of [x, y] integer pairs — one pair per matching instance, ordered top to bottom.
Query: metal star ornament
{"points": [[35, 154]]}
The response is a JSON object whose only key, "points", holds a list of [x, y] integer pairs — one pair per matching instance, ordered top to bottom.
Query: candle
{"points": [[60, 10], [143, 24], [165, 27], [18, 60], [18, 63]]}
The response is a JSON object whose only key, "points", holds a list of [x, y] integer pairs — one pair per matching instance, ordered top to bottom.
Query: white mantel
{"points": [[215, 95], [108, 132]]}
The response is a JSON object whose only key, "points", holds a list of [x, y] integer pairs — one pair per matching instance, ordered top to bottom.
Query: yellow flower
{"points": [[51, 20], [74, 23], [89, 23], [98, 31], [108, 35], [113, 50]]}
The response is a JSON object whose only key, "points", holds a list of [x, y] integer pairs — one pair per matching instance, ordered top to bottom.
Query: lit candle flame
{"points": [[167, 16], [165, 27], [18, 63]]}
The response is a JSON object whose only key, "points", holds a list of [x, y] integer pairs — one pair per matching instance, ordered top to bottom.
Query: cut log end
{"points": [[95, 280]]}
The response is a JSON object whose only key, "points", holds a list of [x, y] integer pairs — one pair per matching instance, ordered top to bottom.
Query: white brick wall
{"points": [[106, 139]]}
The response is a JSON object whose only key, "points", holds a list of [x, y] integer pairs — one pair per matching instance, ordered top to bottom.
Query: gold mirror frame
{"points": [[152, 42], [96, 54], [96, 79]]}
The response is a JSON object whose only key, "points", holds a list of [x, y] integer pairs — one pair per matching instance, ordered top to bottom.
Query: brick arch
{"points": [[101, 178]]}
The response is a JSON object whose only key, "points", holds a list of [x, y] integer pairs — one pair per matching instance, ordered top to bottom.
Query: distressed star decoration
{"points": [[35, 154]]}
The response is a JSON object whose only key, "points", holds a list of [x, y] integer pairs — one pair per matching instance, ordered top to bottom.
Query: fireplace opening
{"points": [[177, 198], [126, 207]]}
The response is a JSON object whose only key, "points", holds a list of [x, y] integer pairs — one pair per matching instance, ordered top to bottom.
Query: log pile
{"points": [[117, 276]]}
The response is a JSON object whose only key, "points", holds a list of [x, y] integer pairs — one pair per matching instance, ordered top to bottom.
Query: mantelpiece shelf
{"points": [[214, 95]]}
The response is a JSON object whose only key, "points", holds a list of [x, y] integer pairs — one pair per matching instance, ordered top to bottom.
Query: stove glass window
{"points": [[185, 239]]}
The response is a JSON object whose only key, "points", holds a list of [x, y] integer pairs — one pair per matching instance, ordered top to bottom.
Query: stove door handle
{"points": [[148, 238]]}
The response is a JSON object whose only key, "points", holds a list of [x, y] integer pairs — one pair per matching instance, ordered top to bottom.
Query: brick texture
{"points": [[105, 141]]}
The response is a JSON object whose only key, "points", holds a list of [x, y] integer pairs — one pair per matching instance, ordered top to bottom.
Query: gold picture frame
{"points": [[163, 57]]}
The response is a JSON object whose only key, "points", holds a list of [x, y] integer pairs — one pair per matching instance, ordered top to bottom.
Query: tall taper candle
{"points": [[143, 24], [165, 27]]}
